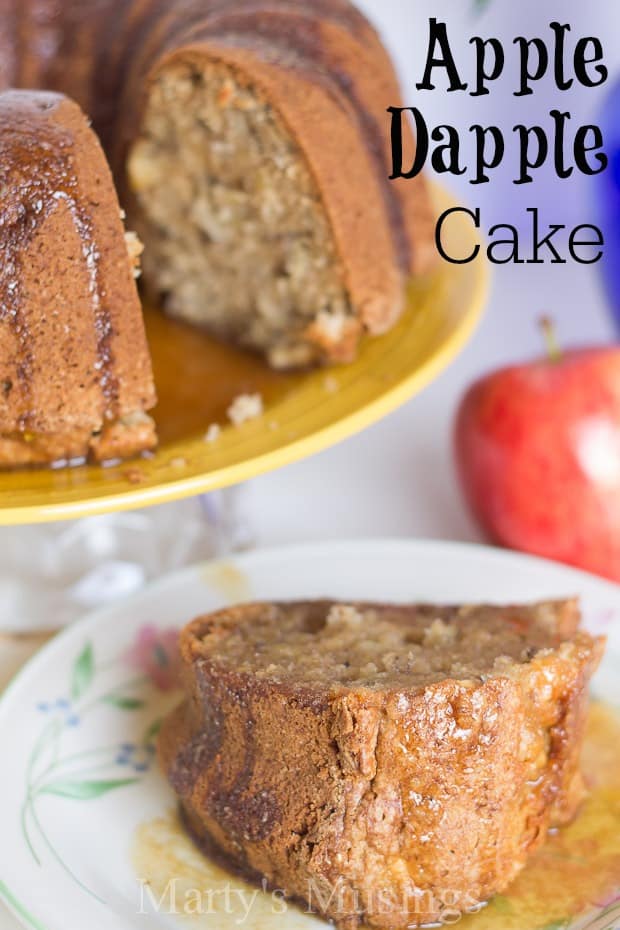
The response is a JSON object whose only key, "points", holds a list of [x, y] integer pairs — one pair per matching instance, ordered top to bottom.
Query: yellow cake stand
{"points": [[197, 379]]}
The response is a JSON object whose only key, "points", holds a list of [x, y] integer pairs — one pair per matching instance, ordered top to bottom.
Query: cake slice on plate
{"points": [[384, 764]]}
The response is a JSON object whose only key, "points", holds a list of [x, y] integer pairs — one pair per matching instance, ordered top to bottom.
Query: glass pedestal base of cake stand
{"points": [[54, 573]]}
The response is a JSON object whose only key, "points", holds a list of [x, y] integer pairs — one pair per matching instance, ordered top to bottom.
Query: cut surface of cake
{"points": [[75, 368], [380, 763]]}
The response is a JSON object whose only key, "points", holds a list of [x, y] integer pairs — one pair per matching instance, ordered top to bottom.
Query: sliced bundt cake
{"points": [[250, 144], [75, 372]]}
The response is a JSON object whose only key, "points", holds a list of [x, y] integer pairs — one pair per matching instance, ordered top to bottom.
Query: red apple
{"points": [[538, 453]]}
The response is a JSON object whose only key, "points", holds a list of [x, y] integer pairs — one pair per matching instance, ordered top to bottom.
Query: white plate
{"points": [[77, 723]]}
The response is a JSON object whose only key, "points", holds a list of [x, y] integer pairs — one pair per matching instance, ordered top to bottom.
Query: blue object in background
{"points": [[608, 197]]}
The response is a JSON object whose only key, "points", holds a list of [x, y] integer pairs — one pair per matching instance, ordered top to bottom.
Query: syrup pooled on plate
{"points": [[198, 377], [572, 881]]}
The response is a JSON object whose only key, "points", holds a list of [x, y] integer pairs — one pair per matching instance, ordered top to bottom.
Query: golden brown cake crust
{"points": [[73, 351], [379, 804]]}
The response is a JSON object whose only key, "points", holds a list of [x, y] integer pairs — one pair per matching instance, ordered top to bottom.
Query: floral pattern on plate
{"points": [[89, 774]]}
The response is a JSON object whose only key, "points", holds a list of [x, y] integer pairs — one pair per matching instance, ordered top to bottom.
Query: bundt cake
{"points": [[250, 145], [75, 373], [388, 766]]}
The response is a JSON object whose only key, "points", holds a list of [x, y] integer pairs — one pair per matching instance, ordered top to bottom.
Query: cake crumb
{"points": [[226, 94], [134, 249], [331, 326], [330, 384], [245, 407], [213, 433], [178, 462], [134, 475], [343, 615], [439, 633], [503, 664], [368, 670]]}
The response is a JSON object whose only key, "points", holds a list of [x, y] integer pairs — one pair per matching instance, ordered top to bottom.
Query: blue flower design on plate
{"points": [[61, 706], [139, 758]]}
